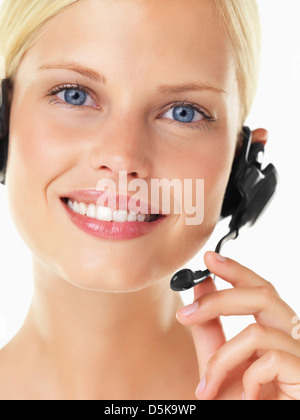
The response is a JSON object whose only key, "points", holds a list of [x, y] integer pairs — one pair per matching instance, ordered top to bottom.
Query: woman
{"points": [[158, 90]]}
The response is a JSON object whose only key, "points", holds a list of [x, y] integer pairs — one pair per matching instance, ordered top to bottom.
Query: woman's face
{"points": [[143, 87]]}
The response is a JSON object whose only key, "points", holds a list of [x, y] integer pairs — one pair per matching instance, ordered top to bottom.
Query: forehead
{"points": [[136, 39]]}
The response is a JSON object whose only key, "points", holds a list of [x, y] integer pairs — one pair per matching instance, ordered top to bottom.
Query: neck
{"points": [[88, 335]]}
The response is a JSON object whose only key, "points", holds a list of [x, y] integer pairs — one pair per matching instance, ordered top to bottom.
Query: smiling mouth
{"points": [[103, 213]]}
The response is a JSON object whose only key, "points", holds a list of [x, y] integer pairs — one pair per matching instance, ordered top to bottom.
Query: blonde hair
{"points": [[21, 19], [242, 23]]}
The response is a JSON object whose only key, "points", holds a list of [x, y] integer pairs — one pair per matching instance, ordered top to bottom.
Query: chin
{"points": [[110, 279]]}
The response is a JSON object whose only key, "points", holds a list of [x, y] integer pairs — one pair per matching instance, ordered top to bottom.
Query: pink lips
{"points": [[110, 230]]}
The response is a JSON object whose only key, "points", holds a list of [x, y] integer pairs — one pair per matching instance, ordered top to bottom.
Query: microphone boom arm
{"points": [[186, 279]]}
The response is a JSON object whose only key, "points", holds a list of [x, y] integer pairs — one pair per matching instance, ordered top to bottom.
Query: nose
{"points": [[122, 144]]}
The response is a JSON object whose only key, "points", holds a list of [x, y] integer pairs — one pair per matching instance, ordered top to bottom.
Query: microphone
{"points": [[186, 279]]}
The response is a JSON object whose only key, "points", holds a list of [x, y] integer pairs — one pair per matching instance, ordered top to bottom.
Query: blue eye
{"points": [[75, 97], [185, 114]]}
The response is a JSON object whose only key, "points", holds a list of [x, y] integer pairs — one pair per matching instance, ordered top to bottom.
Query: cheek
{"points": [[37, 152], [34, 160], [211, 163]]}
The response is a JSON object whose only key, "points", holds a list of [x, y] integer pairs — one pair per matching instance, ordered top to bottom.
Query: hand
{"points": [[263, 361]]}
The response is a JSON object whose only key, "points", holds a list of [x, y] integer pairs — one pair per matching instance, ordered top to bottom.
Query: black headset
{"points": [[4, 127], [248, 192]]}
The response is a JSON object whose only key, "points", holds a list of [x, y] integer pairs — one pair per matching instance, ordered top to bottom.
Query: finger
{"points": [[260, 135], [233, 272], [203, 288], [262, 302], [209, 336], [255, 340], [278, 366]]}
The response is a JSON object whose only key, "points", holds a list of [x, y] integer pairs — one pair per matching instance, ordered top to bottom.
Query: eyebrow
{"points": [[77, 68], [100, 78], [169, 89]]}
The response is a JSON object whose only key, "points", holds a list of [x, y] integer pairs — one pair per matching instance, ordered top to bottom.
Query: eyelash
{"points": [[61, 88], [199, 125]]}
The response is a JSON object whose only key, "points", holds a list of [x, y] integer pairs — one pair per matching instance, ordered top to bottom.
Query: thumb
{"points": [[209, 336]]}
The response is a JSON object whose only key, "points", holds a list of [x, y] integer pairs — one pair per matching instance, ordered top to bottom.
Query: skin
{"points": [[88, 340]]}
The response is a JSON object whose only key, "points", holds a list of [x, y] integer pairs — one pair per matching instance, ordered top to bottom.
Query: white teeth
{"points": [[70, 204], [75, 207], [82, 209], [91, 211], [106, 214], [120, 216], [131, 217], [141, 217]]}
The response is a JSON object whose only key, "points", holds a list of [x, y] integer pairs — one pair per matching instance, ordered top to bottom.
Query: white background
{"points": [[270, 248]]}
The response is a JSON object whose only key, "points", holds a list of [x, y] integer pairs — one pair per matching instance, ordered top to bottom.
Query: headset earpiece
{"points": [[4, 127], [250, 188]]}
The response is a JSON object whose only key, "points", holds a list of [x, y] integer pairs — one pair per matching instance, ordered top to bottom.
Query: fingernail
{"points": [[219, 257], [189, 309], [201, 387]]}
